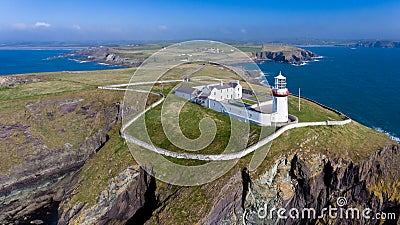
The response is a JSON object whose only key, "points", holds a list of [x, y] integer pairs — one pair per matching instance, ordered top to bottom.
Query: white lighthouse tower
{"points": [[280, 93]]}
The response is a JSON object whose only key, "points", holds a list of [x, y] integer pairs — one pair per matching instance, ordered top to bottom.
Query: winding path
{"points": [[228, 156]]}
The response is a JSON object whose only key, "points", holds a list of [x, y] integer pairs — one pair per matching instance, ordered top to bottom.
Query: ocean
{"points": [[17, 61], [363, 83]]}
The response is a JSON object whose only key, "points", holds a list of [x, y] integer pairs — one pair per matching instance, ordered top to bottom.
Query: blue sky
{"points": [[73, 20]]}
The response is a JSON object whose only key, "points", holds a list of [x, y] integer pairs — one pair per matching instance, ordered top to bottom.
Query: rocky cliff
{"points": [[283, 54], [106, 55], [48, 139], [45, 141], [316, 182], [124, 196]]}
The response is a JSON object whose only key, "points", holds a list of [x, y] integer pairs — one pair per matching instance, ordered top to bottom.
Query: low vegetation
{"points": [[311, 112], [34, 118], [354, 140], [113, 158]]}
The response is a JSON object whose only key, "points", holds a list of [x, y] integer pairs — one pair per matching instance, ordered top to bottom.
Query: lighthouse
{"points": [[280, 93]]}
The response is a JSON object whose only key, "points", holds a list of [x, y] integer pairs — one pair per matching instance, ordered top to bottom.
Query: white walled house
{"points": [[221, 91], [222, 98]]}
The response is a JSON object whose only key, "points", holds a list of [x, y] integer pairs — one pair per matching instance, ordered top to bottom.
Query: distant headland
{"points": [[283, 54], [135, 55]]}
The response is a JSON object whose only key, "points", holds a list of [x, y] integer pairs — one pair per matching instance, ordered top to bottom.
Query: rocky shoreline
{"points": [[274, 53], [284, 54], [105, 55]]}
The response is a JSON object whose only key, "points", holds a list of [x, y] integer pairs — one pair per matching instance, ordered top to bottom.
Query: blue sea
{"points": [[16, 61], [363, 83]]}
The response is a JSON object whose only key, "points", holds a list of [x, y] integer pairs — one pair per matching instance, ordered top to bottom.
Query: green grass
{"points": [[248, 48], [140, 55], [180, 71], [218, 72], [94, 78], [4, 88], [33, 90], [48, 95], [310, 112], [189, 119], [353, 141]]}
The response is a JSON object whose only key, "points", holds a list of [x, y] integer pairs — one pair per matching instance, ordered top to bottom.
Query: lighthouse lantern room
{"points": [[280, 104]]}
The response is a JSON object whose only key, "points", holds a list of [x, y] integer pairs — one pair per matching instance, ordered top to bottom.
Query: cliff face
{"points": [[283, 54], [106, 55], [38, 176], [315, 181], [125, 195]]}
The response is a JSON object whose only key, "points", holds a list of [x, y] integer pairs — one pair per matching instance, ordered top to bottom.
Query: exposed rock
{"points": [[283, 54], [105, 55], [10, 81], [38, 181], [317, 182], [124, 196], [228, 203]]}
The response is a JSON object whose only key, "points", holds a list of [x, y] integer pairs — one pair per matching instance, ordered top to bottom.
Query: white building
{"points": [[221, 91], [187, 92], [223, 98], [280, 105]]}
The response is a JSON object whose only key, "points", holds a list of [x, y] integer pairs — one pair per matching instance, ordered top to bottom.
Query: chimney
{"points": [[221, 83]]}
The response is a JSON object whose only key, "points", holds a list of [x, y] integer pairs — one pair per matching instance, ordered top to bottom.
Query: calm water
{"points": [[31, 61], [362, 83]]}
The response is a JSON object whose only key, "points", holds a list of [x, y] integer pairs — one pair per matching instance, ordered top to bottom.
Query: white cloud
{"points": [[42, 24], [77, 27], [162, 27], [243, 31]]}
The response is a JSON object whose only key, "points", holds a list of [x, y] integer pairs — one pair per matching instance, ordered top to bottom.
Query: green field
{"points": [[37, 109], [311, 112], [191, 115], [55, 128]]}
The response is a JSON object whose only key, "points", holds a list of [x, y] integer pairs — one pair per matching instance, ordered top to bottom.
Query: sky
{"points": [[114, 20]]}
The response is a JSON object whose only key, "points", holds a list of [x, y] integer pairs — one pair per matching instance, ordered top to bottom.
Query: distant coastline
{"points": [[24, 60]]}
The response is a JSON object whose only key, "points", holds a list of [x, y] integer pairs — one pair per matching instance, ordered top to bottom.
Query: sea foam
{"points": [[394, 138]]}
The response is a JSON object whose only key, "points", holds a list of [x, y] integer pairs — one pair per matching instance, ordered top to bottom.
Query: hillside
{"points": [[372, 44], [283, 54], [133, 56], [61, 145]]}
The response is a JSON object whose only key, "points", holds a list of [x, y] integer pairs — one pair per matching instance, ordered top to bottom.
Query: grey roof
{"points": [[233, 84], [223, 86], [185, 89], [204, 95]]}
